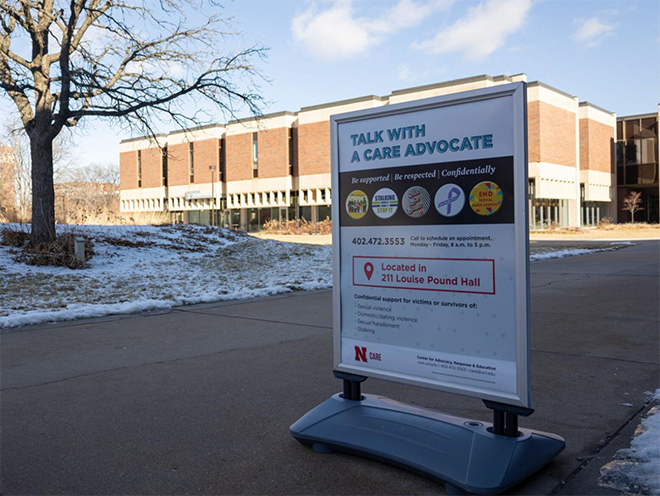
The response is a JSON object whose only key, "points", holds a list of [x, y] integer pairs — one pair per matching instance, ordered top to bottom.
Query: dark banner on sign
{"points": [[466, 192]]}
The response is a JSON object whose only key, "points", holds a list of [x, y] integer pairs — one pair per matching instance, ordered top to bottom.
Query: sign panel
{"points": [[431, 243]]}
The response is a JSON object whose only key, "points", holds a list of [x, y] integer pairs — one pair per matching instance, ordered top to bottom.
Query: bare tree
{"points": [[127, 60], [18, 143], [107, 173], [88, 194], [633, 203], [8, 211]]}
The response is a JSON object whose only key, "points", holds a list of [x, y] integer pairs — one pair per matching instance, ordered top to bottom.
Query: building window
{"points": [[291, 149], [637, 152], [255, 155], [221, 159], [164, 160], [191, 161], [139, 171]]}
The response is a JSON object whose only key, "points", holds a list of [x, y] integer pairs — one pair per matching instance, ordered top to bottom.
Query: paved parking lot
{"points": [[200, 399]]}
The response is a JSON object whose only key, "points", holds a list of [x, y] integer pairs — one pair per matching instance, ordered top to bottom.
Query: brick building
{"points": [[249, 171]]}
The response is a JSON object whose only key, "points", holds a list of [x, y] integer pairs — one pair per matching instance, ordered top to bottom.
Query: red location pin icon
{"points": [[369, 270]]}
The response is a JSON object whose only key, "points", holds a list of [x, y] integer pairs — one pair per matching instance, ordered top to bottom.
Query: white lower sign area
{"points": [[430, 232]]}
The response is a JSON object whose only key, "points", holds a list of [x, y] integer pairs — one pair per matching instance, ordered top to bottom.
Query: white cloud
{"points": [[481, 31], [592, 31], [338, 32], [404, 72]]}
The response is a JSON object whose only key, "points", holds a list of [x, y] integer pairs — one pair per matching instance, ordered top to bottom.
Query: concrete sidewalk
{"points": [[200, 399]]}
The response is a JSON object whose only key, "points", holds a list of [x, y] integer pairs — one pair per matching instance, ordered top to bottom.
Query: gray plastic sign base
{"points": [[462, 453]]}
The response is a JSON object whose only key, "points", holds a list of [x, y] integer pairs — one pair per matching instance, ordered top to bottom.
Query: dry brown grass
{"points": [[106, 216], [604, 226], [629, 226], [297, 227], [14, 237], [59, 253]]}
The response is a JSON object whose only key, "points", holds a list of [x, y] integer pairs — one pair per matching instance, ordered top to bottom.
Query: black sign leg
{"points": [[351, 385], [505, 417], [498, 422], [511, 427]]}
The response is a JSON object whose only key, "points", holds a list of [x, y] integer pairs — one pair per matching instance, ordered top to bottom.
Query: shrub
{"points": [[297, 227], [16, 238], [59, 253]]}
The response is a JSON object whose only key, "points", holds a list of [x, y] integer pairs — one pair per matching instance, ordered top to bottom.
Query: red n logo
{"points": [[360, 354]]}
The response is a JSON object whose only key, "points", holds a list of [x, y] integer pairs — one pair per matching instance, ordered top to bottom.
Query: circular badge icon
{"points": [[486, 198], [449, 200], [416, 201], [385, 203], [357, 204]]}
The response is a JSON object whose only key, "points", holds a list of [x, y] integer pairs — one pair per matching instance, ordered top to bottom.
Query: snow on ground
{"points": [[558, 252], [160, 267], [138, 268], [636, 470]]}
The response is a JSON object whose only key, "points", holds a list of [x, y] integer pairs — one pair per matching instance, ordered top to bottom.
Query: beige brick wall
{"points": [[596, 146], [314, 148], [239, 157], [128, 170]]}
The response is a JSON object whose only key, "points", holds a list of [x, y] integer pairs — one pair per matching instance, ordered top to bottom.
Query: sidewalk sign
{"points": [[431, 285]]}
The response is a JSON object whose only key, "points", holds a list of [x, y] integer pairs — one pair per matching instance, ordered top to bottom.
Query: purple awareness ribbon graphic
{"points": [[454, 194]]}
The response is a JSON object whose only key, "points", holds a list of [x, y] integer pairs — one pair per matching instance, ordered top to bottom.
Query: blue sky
{"points": [[606, 52]]}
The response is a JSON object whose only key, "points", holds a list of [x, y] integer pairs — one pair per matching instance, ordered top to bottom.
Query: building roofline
{"points": [[453, 82], [548, 87], [342, 102], [589, 104], [636, 116], [262, 117], [193, 129], [176, 131], [138, 138]]}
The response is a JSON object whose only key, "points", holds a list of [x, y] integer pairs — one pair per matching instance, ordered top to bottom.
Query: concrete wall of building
{"points": [[597, 129], [597, 153], [554, 158]]}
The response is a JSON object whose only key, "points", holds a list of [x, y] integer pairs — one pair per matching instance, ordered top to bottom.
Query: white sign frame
{"points": [[518, 92]]}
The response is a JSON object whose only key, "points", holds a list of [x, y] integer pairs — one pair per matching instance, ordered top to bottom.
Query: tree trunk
{"points": [[43, 192]]}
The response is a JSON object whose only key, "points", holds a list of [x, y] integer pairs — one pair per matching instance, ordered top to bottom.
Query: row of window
{"points": [[637, 128], [221, 160]]}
